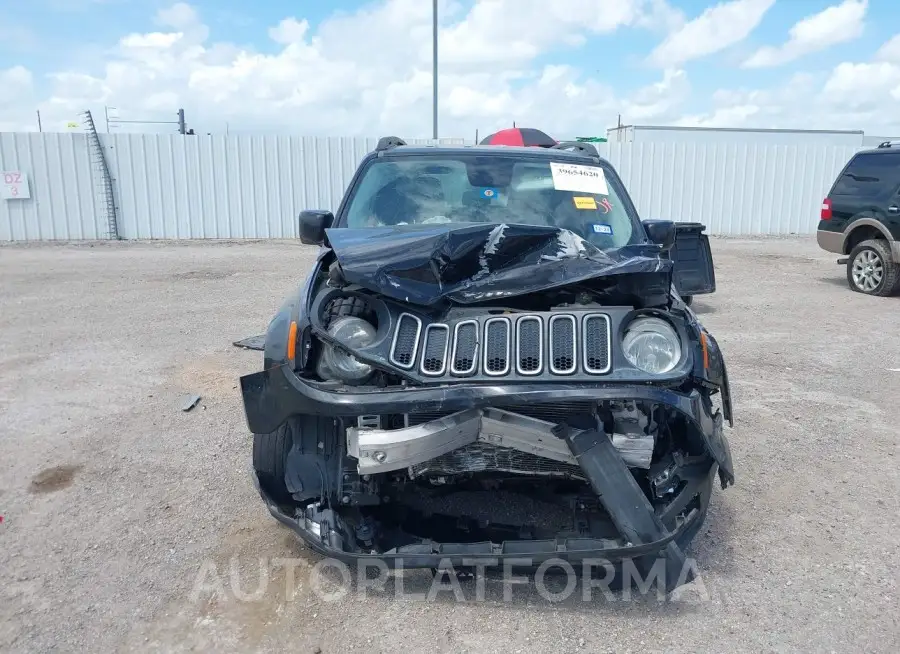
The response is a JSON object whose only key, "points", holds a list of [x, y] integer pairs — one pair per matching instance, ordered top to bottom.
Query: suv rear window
{"points": [[869, 174]]}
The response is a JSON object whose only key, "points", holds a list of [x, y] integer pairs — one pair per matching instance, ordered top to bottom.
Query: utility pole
{"points": [[434, 73], [106, 114], [40, 128], [182, 128]]}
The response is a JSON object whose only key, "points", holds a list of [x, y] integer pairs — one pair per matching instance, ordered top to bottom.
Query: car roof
{"points": [[877, 151], [530, 152]]}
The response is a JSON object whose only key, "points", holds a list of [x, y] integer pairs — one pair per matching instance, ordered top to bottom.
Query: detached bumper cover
{"points": [[272, 396]]}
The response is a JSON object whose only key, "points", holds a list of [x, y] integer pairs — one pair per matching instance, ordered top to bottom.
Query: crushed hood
{"points": [[425, 264]]}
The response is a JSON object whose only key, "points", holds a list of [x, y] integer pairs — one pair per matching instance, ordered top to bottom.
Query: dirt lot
{"points": [[117, 505]]}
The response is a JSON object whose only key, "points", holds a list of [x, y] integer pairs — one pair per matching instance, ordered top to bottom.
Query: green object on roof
{"points": [[590, 139]]}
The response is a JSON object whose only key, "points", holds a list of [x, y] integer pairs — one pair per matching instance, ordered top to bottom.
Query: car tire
{"points": [[864, 264], [688, 299], [347, 307], [270, 453]]}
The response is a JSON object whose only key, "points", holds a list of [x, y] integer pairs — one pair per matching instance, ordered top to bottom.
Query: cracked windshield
{"points": [[477, 189]]}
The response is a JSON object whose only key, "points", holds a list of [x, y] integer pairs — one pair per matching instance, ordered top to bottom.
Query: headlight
{"points": [[652, 345], [333, 364]]}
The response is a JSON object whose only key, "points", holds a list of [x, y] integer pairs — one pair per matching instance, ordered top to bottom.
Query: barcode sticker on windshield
{"points": [[580, 179]]}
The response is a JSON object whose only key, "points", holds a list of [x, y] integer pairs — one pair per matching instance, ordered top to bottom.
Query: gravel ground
{"points": [[121, 512]]}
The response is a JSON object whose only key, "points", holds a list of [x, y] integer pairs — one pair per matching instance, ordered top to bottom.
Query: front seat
{"points": [[428, 188], [392, 205]]}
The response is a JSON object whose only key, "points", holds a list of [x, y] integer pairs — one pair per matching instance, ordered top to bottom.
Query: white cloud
{"points": [[660, 15], [180, 16], [831, 26], [717, 28], [289, 30], [517, 31], [890, 51], [369, 72], [350, 76], [861, 85], [852, 95], [663, 98], [15, 100], [776, 108]]}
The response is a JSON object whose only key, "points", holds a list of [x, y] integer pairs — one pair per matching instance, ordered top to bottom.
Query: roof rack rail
{"points": [[388, 142], [577, 146]]}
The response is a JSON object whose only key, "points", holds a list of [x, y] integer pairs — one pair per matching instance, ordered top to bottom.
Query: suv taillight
{"points": [[826, 209]]}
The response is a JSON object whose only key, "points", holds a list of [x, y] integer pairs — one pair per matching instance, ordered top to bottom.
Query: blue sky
{"points": [[65, 47]]}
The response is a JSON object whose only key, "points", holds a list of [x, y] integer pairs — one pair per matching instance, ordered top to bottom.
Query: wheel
{"points": [[871, 270], [688, 299], [347, 307], [270, 453]]}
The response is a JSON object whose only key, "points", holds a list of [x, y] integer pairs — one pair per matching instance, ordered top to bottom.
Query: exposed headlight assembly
{"points": [[652, 345], [338, 365]]}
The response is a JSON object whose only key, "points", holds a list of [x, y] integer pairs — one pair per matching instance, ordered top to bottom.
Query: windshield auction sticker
{"points": [[580, 179]]}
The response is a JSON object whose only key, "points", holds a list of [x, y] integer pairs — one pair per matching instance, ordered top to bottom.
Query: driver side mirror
{"points": [[313, 224], [661, 232]]}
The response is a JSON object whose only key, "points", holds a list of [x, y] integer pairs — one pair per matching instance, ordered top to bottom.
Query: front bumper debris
{"points": [[273, 395], [321, 530], [647, 532]]}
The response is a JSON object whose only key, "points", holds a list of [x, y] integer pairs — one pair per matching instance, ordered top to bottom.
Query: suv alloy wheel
{"points": [[870, 269]]}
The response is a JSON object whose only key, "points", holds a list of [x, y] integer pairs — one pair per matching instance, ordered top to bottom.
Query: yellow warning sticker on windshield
{"points": [[585, 203]]}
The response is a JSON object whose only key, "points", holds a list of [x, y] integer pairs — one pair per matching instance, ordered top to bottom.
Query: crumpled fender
{"points": [[717, 374]]}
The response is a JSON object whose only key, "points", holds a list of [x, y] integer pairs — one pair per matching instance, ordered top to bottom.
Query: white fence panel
{"points": [[171, 186], [733, 189], [64, 192]]}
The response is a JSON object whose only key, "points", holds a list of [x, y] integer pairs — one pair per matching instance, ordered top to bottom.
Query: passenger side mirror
{"points": [[313, 224], [661, 232]]}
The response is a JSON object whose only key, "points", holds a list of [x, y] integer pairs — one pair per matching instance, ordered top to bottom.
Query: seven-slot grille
{"points": [[526, 344]]}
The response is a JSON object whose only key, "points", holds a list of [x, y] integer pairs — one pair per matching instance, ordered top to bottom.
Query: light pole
{"points": [[434, 72]]}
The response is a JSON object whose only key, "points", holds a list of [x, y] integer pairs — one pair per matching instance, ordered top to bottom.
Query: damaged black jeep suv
{"points": [[490, 360]]}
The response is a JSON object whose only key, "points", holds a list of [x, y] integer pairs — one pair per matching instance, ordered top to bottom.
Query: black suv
{"points": [[861, 218], [484, 324]]}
